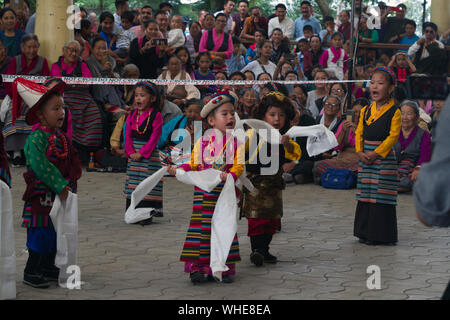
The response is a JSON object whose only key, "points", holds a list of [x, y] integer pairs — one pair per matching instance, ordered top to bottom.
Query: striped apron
{"points": [[138, 171], [378, 182], [197, 247]]}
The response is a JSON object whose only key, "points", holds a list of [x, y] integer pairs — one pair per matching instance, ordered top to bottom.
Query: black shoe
{"points": [[16, 162], [158, 213], [146, 222], [257, 258], [268, 258], [52, 274], [197, 277], [227, 279], [35, 280]]}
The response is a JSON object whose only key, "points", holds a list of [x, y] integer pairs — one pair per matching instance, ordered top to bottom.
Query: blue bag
{"points": [[338, 179]]}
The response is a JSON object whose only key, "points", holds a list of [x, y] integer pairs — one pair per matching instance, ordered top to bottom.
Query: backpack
{"points": [[338, 179]]}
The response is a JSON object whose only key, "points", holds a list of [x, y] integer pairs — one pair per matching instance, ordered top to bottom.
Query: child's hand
{"points": [[285, 140], [136, 156], [371, 156], [172, 170], [223, 176], [64, 193]]}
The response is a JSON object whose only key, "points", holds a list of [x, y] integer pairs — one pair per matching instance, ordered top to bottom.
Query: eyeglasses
{"points": [[429, 31], [72, 50], [337, 90], [333, 105]]}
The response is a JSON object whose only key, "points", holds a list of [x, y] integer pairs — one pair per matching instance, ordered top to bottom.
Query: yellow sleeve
{"points": [[117, 133], [359, 141], [386, 146], [296, 154], [196, 156], [239, 159]]}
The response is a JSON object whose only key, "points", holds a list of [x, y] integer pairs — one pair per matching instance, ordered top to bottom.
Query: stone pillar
{"points": [[440, 14], [51, 27]]}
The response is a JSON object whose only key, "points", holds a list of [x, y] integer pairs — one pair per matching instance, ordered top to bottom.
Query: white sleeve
{"points": [[413, 49]]}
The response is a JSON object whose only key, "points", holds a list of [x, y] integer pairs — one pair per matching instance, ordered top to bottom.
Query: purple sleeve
{"points": [[425, 149], [129, 150], [146, 151]]}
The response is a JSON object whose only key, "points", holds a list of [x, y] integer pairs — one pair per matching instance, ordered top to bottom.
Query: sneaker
{"points": [[145, 222], [257, 258], [35, 280]]}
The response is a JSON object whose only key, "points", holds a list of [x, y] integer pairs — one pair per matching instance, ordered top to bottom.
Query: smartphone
{"points": [[157, 42], [290, 57], [427, 87], [349, 115]]}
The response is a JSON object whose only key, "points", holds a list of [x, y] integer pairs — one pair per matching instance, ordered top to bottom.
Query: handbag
{"points": [[338, 179]]}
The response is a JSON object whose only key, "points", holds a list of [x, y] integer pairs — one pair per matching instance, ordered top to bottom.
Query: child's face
{"points": [[209, 22], [176, 23], [126, 24], [108, 26], [410, 30], [308, 34], [259, 37], [337, 42], [303, 46], [183, 56], [401, 61], [204, 63], [369, 72], [321, 76], [291, 77], [262, 78], [380, 87], [300, 95], [143, 99], [193, 112], [51, 114], [276, 117], [223, 118]]}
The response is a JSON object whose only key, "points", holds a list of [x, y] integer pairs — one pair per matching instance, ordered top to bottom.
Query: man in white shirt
{"points": [[228, 8], [281, 21], [428, 52]]}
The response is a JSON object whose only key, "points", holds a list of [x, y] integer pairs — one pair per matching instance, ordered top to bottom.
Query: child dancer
{"points": [[335, 58], [219, 115], [143, 130], [378, 131], [53, 168], [264, 207]]}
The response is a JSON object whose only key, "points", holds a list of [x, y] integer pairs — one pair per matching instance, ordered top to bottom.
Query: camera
{"points": [[157, 42]]}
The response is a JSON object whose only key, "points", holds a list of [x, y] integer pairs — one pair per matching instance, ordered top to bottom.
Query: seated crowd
{"points": [[150, 43]]}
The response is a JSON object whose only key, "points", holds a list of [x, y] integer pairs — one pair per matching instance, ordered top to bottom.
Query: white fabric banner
{"points": [[320, 139], [133, 214], [64, 215], [7, 249]]}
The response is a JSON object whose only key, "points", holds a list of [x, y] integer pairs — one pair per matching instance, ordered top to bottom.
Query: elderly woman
{"points": [[218, 43], [27, 63], [130, 71], [178, 94], [108, 97], [86, 115], [330, 118], [413, 147], [347, 157]]}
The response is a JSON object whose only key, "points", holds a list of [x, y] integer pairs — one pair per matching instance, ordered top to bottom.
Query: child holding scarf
{"points": [[53, 168]]}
